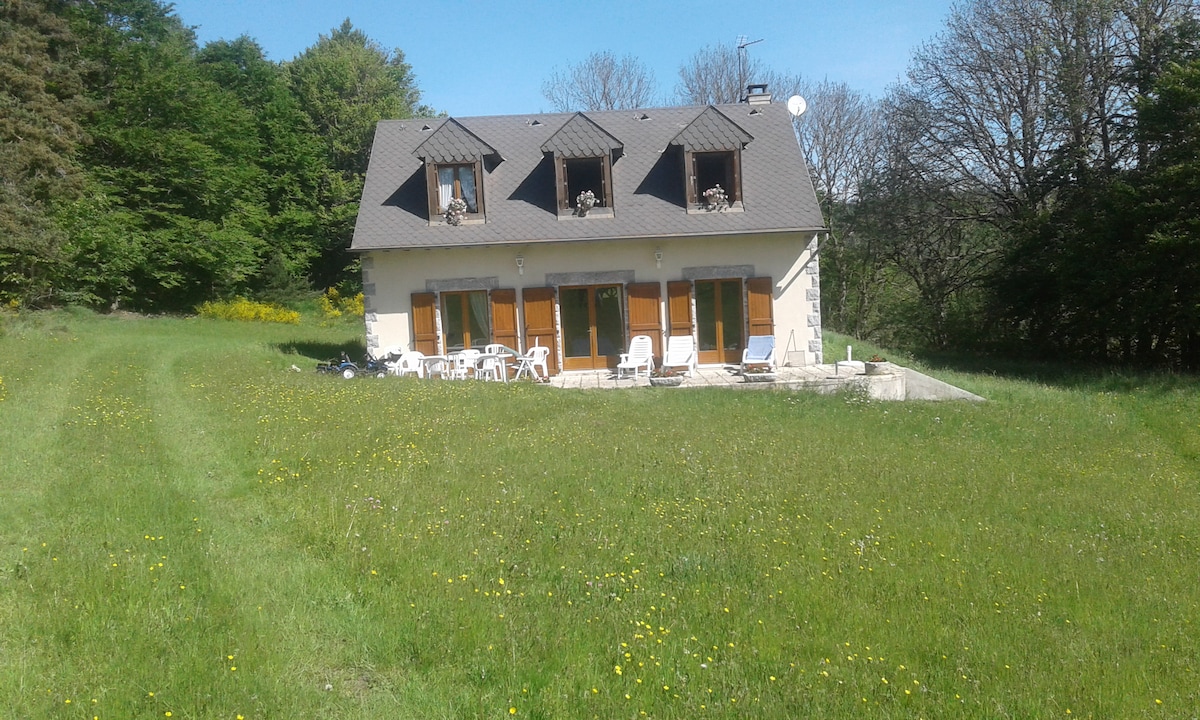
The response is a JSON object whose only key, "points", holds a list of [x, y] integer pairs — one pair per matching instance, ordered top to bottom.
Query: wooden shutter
{"points": [[734, 164], [560, 168], [606, 180], [431, 187], [692, 195], [480, 200], [759, 293], [679, 307], [645, 312], [504, 318], [424, 319], [539, 322]]}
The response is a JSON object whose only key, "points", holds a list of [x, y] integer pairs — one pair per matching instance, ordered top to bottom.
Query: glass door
{"points": [[465, 320], [719, 321], [592, 326]]}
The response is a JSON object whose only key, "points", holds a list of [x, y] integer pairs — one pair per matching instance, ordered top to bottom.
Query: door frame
{"points": [[720, 356], [594, 361]]}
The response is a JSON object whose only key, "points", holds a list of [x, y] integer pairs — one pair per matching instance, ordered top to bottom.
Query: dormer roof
{"points": [[712, 131], [581, 137], [453, 143]]}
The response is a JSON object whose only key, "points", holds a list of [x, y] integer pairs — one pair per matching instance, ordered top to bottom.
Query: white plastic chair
{"points": [[760, 350], [681, 352], [640, 355], [410, 362], [463, 363], [529, 363], [435, 366], [489, 366]]}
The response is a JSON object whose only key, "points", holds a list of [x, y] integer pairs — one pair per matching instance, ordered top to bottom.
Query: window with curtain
{"points": [[457, 181], [465, 322]]}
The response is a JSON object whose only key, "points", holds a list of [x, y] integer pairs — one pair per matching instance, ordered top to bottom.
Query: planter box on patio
{"points": [[759, 377], [666, 381]]}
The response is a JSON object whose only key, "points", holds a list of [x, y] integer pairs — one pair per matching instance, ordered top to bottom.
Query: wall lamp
{"points": [[658, 257], [521, 264]]}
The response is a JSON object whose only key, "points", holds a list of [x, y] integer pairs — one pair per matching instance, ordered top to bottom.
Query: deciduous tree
{"points": [[715, 74], [601, 82], [347, 83]]}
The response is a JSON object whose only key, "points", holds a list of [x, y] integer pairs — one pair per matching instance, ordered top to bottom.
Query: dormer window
{"points": [[583, 154], [712, 161], [716, 169], [454, 170], [583, 174], [457, 181]]}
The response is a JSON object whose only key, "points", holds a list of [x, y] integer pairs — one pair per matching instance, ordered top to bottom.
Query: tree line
{"points": [[140, 170], [1031, 187]]}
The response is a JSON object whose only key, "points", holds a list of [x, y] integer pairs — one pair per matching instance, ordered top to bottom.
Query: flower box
{"points": [[877, 368], [760, 377], [668, 381]]}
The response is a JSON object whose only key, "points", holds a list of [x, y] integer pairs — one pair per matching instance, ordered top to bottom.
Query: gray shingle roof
{"points": [[712, 131], [579, 137], [453, 143], [520, 199]]}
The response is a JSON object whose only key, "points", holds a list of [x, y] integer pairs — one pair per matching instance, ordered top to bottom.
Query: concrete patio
{"points": [[894, 383]]}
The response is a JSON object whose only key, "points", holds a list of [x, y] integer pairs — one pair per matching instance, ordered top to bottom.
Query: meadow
{"points": [[191, 529]]}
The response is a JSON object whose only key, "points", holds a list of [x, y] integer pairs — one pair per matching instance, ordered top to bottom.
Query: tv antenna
{"points": [[742, 43]]}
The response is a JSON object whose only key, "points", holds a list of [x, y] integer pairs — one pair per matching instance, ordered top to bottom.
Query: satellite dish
{"points": [[796, 105]]}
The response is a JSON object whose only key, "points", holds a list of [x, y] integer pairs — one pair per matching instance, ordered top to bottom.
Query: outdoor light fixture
{"points": [[658, 257], [521, 264]]}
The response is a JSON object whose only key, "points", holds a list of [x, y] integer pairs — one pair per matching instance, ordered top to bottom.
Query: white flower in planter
{"points": [[715, 198], [456, 210]]}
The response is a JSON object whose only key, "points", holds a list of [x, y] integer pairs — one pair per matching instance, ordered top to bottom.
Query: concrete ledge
{"points": [[891, 382], [922, 387]]}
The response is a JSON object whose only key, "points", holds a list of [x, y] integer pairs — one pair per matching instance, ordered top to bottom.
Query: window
{"points": [[584, 154], [453, 158], [710, 169], [581, 174], [457, 181], [468, 318], [465, 320]]}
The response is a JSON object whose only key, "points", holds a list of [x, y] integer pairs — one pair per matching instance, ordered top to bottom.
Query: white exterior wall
{"points": [[391, 276]]}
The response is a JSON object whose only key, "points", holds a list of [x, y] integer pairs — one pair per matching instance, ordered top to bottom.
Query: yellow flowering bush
{"points": [[333, 305], [248, 311]]}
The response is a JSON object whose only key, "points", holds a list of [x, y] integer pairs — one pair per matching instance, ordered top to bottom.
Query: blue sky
{"points": [[490, 58]]}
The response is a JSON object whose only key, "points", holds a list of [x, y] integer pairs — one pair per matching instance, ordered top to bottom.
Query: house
{"points": [[577, 231]]}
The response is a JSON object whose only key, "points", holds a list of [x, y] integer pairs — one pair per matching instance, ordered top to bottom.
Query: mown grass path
{"points": [[188, 527]]}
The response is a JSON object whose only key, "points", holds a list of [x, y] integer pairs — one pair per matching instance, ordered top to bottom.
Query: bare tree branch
{"points": [[713, 75], [601, 82], [840, 137]]}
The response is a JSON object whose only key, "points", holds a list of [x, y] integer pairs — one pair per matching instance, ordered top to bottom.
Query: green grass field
{"points": [[189, 529]]}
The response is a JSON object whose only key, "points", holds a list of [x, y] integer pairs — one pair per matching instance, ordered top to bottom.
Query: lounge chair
{"points": [[760, 350], [681, 353], [640, 355], [532, 360]]}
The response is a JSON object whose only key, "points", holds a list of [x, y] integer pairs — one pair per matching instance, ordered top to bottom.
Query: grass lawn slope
{"points": [[189, 529]]}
